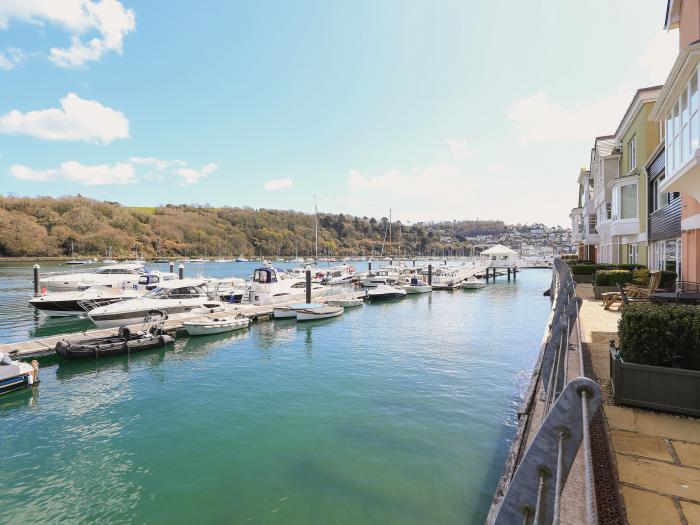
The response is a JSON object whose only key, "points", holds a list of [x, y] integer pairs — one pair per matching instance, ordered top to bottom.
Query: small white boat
{"points": [[241, 259], [473, 283], [417, 286], [384, 291], [345, 303], [290, 312], [320, 312], [215, 325], [16, 374]]}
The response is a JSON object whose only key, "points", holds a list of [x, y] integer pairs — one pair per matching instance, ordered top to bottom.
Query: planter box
{"points": [[583, 278], [598, 291], [656, 387]]}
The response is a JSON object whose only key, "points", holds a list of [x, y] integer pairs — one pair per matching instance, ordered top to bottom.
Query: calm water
{"points": [[399, 412]]}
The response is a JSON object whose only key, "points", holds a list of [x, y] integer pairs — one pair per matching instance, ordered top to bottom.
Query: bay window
{"points": [[683, 127], [624, 203]]}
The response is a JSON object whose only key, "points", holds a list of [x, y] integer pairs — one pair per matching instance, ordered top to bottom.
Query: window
{"points": [[683, 127], [632, 153], [628, 201], [608, 211], [592, 223], [633, 253]]}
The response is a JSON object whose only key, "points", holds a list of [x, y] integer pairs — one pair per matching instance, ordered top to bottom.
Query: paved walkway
{"points": [[657, 455]]}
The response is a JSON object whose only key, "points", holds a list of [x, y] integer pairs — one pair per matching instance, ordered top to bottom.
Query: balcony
{"points": [[686, 179], [665, 223], [624, 226]]}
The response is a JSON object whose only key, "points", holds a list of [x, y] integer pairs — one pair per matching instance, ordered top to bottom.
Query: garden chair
{"points": [[645, 293], [625, 300]]}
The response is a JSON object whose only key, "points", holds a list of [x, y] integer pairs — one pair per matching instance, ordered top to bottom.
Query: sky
{"points": [[444, 110]]}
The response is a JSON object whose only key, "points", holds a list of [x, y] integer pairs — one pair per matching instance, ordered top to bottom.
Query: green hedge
{"points": [[631, 266], [583, 269], [612, 277], [653, 334]]}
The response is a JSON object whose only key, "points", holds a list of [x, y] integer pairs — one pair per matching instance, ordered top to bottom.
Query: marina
{"points": [[369, 385]]}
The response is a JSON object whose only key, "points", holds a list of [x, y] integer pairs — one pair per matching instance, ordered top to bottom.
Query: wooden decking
{"points": [[44, 346]]}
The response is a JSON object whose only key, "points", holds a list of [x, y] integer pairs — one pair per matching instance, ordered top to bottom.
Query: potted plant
{"points": [[658, 363]]}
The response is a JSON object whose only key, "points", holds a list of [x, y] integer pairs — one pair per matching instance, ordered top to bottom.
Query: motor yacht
{"points": [[115, 275], [339, 275], [389, 275], [473, 283], [416, 285], [270, 286], [384, 291], [175, 297], [72, 303]]}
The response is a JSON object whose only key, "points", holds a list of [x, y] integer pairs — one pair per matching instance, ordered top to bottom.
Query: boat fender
{"points": [[30, 379]]}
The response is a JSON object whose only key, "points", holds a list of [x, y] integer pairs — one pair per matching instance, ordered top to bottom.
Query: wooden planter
{"points": [[583, 278], [598, 291], [656, 387]]}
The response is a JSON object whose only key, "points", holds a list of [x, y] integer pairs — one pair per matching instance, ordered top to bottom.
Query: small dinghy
{"points": [[473, 283], [417, 286], [384, 291], [345, 303], [290, 312], [319, 312], [215, 325], [124, 343], [16, 374]]}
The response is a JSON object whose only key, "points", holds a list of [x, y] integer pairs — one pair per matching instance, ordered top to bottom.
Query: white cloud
{"points": [[80, 18], [659, 56], [10, 58], [76, 119], [460, 148], [156, 163], [495, 168], [72, 171], [130, 171], [192, 176], [278, 184]]}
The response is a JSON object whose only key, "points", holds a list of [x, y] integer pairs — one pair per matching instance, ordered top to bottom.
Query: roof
{"points": [[673, 8], [641, 96], [604, 146], [499, 249], [181, 283]]}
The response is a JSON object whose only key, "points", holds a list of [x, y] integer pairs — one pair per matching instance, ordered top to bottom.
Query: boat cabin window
{"points": [[116, 271], [264, 276], [149, 279], [299, 285], [177, 293]]}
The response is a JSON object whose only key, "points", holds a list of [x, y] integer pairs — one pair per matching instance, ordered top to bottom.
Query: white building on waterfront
{"points": [[499, 256]]}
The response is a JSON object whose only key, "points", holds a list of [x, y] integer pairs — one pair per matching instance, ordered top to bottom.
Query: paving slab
{"points": [[653, 423], [653, 447], [688, 453], [656, 476], [646, 508], [691, 512]]}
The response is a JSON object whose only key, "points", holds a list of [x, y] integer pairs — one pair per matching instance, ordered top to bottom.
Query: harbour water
{"points": [[400, 412]]}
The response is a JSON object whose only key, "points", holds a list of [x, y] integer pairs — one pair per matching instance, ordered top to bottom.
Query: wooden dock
{"points": [[44, 346]]}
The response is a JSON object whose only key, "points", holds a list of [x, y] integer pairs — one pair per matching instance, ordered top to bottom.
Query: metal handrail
{"points": [[530, 497]]}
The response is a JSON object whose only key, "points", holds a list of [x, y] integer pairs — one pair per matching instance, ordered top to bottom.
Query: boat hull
{"points": [[418, 289], [322, 313], [213, 328], [109, 347], [15, 383]]}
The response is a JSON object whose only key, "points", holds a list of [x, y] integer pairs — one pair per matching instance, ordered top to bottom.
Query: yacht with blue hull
{"points": [[15, 375]]}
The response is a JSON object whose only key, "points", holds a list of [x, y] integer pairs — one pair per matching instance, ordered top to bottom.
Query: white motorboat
{"points": [[241, 259], [115, 275], [339, 275], [388, 275], [473, 283], [417, 286], [270, 287], [384, 291], [175, 298], [71, 303], [345, 303], [290, 311], [320, 312], [215, 325], [16, 374]]}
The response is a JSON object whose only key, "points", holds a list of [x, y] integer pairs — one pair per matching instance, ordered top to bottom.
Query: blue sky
{"points": [[438, 110]]}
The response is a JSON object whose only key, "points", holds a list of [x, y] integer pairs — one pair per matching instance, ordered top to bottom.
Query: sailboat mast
{"points": [[316, 210], [389, 232]]}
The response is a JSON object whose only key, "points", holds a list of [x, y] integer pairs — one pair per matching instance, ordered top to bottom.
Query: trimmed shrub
{"points": [[604, 266], [631, 266], [583, 269], [612, 277], [641, 277], [661, 335]]}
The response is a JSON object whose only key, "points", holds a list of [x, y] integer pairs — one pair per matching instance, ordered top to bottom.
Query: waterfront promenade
{"points": [[657, 456]]}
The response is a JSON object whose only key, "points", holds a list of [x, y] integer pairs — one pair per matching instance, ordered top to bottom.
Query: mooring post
{"points": [[414, 263], [369, 265], [172, 266], [181, 271], [515, 272], [430, 274], [509, 274], [487, 275], [36, 280], [308, 285]]}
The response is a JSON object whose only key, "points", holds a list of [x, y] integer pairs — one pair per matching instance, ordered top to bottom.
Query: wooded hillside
{"points": [[45, 226]]}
